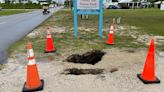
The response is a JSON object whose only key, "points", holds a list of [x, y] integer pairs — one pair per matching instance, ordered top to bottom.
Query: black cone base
{"points": [[109, 43], [50, 51], [146, 81], [36, 89]]}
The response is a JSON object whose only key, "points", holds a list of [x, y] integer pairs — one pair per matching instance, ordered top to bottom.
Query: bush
{"points": [[68, 4], [21, 6]]}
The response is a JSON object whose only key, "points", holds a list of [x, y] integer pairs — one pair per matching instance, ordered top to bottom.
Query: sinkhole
{"points": [[91, 57]]}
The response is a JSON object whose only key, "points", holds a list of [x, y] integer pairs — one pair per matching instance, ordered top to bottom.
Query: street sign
{"points": [[88, 4], [88, 7]]}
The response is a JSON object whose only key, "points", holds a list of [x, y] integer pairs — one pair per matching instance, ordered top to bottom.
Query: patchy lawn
{"points": [[150, 21], [133, 24]]}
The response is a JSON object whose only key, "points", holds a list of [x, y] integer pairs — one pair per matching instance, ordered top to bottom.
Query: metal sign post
{"points": [[89, 7]]}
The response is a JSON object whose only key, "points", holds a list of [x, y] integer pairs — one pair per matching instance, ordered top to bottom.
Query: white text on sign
{"points": [[88, 4]]}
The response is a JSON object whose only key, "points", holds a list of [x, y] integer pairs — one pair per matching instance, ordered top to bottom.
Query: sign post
{"points": [[89, 7]]}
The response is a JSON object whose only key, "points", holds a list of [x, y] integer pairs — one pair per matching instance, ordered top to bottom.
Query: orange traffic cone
{"points": [[112, 27], [110, 39], [49, 42], [148, 74], [33, 82]]}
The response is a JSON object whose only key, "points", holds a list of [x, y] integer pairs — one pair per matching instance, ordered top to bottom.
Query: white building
{"points": [[158, 2], [107, 3], [130, 3], [137, 4]]}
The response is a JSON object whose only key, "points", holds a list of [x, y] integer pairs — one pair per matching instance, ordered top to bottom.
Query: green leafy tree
{"points": [[7, 1], [49, 1], [152, 1], [54, 2], [66, 3]]}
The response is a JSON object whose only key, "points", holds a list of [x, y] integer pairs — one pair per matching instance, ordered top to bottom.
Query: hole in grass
{"points": [[91, 57], [75, 71]]}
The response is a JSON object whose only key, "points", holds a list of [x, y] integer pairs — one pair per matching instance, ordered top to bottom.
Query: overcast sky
{"points": [[59, 1]]}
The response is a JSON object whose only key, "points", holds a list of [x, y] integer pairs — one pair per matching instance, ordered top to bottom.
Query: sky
{"points": [[59, 1]]}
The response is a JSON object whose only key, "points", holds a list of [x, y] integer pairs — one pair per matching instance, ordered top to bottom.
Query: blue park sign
{"points": [[88, 7]]}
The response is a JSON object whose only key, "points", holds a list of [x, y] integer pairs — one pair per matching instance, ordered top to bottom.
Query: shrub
{"points": [[21, 6], [124, 6]]}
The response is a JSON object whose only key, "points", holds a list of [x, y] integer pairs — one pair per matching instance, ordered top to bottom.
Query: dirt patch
{"points": [[132, 31], [41, 32], [139, 36], [159, 40], [130, 50], [91, 57], [1, 66], [113, 70], [76, 71], [64, 74]]}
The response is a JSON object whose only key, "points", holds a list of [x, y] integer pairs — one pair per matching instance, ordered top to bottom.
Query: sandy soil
{"points": [[129, 62]]}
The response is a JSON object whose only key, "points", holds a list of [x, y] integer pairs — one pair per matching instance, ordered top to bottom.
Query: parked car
{"points": [[113, 7]]}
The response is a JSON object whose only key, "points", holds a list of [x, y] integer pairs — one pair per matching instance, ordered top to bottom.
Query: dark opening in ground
{"points": [[91, 57], [76, 71]]}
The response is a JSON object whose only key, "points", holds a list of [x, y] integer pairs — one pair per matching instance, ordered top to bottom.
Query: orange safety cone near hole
{"points": [[110, 39], [49, 42], [148, 74], [33, 82]]}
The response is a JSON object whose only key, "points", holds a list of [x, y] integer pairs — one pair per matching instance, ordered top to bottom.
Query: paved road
{"points": [[15, 27]]}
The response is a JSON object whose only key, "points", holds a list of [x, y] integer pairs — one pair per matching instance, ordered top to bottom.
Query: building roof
{"points": [[159, 2]]}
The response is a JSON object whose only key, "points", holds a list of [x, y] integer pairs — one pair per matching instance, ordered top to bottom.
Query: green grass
{"points": [[11, 12], [149, 21], [65, 41], [19, 44]]}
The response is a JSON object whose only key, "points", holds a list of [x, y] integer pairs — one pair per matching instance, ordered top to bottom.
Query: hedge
{"points": [[21, 6]]}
